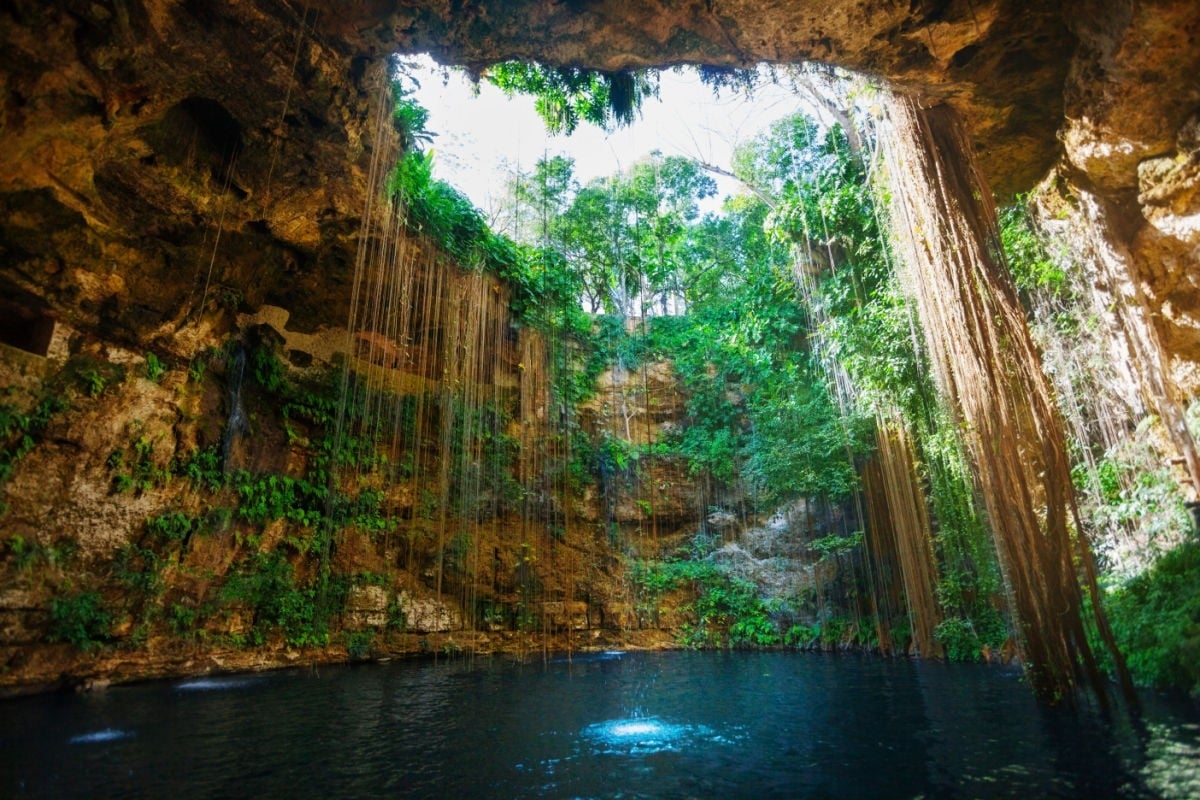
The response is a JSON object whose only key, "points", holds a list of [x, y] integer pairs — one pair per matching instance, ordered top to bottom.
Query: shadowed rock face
{"points": [[135, 132], [167, 165]]}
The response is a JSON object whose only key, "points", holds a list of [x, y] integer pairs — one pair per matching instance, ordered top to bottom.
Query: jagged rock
{"points": [[170, 172], [366, 607], [428, 614]]}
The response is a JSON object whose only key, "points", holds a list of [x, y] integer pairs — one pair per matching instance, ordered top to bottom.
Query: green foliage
{"points": [[566, 96], [409, 119], [1029, 262], [154, 369], [196, 369], [268, 371], [91, 375], [20, 432], [203, 468], [136, 469], [1130, 488], [172, 526], [835, 545], [25, 554], [138, 569], [728, 610], [300, 613], [396, 618], [1155, 618], [80, 619], [186, 621], [963, 640], [359, 644]]}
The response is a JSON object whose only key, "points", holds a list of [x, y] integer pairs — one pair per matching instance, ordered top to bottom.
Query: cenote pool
{"points": [[618, 725]]}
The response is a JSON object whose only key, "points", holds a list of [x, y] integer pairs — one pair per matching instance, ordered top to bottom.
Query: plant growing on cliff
{"points": [[154, 368], [20, 432], [80, 619]]}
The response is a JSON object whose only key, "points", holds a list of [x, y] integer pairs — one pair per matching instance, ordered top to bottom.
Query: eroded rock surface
{"points": [[170, 171]]}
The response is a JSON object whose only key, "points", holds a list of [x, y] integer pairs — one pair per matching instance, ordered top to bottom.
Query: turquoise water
{"points": [[653, 725]]}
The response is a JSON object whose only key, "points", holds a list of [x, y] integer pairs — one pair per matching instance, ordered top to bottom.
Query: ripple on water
{"points": [[213, 684], [106, 735]]}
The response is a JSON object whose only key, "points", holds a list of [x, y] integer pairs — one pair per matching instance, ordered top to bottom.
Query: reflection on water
{"points": [[214, 684], [673, 725], [106, 735], [641, 735], [1172, 766]]}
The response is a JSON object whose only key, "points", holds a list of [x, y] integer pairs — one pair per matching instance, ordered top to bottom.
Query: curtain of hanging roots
{"points": [[986, 363], [908, 519], [886, 595]]}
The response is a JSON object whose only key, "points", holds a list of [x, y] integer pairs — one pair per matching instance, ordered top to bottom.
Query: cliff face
{"points": [[135, 134], [175, 173]]}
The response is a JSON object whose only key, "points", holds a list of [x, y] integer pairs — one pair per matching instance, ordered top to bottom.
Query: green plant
{"points": [[565, 96], [154, 368], [196, 368], [93, 382], [20, 432], [137, 469], [172, 526], [834, 545], [24, 554], [138, 569], [266, 584], [396, 617], [1155, 618], [80, 619], [183, 620], [359, 644]]}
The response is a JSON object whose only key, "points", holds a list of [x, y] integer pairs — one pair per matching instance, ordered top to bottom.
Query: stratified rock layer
{"points": [[170, 168]]}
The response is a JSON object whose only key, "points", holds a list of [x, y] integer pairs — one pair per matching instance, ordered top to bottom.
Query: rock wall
{"points": [[160, 161], [174, 172], [133, 548]]}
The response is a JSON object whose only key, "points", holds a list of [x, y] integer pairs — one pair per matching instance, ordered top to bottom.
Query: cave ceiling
{"points": [[149, 147]]}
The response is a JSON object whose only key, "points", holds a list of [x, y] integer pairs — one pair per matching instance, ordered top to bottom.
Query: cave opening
{"points": [[199, 133], [797, 304], [25, 323], [809, 391]]}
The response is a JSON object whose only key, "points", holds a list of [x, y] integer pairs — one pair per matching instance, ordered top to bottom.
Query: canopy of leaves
{"points": [[566, 96]]}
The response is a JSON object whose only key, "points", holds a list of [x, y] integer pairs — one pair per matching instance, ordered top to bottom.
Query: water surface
{"points": [[653, 725]]}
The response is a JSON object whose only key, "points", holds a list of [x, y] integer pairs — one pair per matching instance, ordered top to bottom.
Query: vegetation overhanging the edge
{"points": [[817, 186], [764, 426]]}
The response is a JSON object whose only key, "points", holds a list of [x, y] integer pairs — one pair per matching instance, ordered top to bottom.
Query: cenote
{"points": [[844, 434], [611, 724]]}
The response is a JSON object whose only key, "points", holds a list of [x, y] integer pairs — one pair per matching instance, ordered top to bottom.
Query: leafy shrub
{"points": [[154, 368], [20, 432], [135, 469], [174, 526], [138, 569], [266, 583], [1155, 618], [79, 619], [958, 637], [358, 645]]}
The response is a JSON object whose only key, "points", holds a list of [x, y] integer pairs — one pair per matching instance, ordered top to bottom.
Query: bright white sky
{"points": [[481, 134]]}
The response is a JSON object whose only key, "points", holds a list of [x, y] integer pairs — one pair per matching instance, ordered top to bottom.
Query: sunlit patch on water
{"points": [[213, 684], [106, 735], [639, 735], [1173, 761]]}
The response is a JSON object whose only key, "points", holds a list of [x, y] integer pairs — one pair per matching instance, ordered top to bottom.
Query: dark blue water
{"points": [[672, 725]]}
